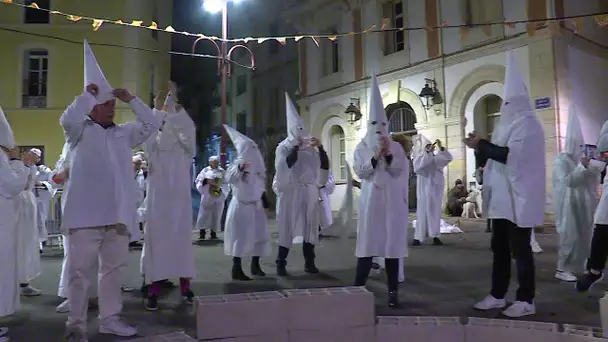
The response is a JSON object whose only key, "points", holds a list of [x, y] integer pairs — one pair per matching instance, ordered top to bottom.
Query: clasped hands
{"points": [[383, 148]]}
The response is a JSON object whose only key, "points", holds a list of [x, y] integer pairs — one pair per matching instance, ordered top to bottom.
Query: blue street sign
{"points": [[542, 103]]}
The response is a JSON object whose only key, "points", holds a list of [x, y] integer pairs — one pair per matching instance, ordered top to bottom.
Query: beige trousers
{"points": [[109, 245]]}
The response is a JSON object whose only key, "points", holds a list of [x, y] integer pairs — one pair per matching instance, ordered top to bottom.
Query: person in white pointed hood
{"points": [[428, 167], [302, 168], [13, 179], [213, 190], [44, 192], [513, 193], [574, 197], [98, 225], [382, 226], [246, 232], [599, 241], [28, 247], [168, 251]]}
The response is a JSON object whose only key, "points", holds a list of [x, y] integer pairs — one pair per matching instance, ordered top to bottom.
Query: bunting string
{"points": [[531, 25]]}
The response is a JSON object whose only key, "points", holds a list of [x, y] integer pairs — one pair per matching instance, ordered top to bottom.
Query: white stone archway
{"points": [[492, 88]]}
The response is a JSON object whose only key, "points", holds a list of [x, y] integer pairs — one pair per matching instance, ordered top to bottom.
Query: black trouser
{"points": [[507, 240], [599, 248], [364, 266]]}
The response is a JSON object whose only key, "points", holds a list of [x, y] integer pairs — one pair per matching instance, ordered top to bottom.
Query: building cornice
{"points": [[459, 57]]}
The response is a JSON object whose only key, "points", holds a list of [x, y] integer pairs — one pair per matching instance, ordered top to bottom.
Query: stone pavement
{"points": [[440, 281]]}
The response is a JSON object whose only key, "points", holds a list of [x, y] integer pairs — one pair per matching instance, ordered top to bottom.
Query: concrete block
{"points": [[329, 308], [236, 315], [429, 329], [499, 330], [577, 333], [352, 334], [282, 336], [173, 337]]}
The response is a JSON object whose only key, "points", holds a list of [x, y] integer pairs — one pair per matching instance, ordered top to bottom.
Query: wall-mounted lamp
{"points": [[430, 94], [353, 112]]}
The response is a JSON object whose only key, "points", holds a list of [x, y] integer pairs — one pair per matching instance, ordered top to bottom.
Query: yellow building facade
{"points": [[41, 72]]}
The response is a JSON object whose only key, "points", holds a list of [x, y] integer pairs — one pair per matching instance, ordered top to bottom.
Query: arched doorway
{"points": [[486, 115], [402, 126]]}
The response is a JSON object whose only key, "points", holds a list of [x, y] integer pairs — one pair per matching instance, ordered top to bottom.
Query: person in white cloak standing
{"points": [[380, 163], [428, 167], [302, 168], [13, 179], [139, 188], [213, 190], [44, 192], [513, 193], [325, 195], [574, 196], [98, 225], [246, 232], [599, 240], [28, 247], [168, 251]]}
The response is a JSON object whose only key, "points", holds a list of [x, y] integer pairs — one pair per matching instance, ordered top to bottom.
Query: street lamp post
{"points": [[224, 65]]}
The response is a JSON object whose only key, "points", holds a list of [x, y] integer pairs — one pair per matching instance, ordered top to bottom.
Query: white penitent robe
{"points": [[13, 179], [297, 188], [140, 192], [429, 192], [44, 193], [325, 193], [113, 203], [212, 204], [383, 221], [27, 232], [246, 232], [168, 251]]}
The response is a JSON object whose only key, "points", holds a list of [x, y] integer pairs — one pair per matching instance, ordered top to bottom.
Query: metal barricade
{"points": [[53, 221]]}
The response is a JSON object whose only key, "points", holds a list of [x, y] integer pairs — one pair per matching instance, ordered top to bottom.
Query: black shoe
{"points": [[202, 234], [213, 235], [437, 242], [416, 243], [308, 249], [309, 267], [282, 268], [237, 270], [256, 270], [586, 281], [188, 297], [393, 299], [152, 303]]}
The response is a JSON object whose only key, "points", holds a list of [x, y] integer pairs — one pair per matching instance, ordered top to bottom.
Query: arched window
{"points": [[487, 115], [401, 118], [337, 153]]}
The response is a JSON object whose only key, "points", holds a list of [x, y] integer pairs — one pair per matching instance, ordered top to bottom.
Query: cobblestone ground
{"points": [[440, 281]]}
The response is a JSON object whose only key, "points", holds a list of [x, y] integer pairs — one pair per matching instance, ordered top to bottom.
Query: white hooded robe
{"points": [[428, 167], [13, 179], [297, 188], [515, 191], [574, 197], [211, 206], [383, 221], [27, 230], [246, 232], [168, 251]]}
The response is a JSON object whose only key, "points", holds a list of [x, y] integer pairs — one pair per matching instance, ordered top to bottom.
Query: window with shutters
{"points": [[394, 16], [331, 55], [35, 78], [241, 122]]}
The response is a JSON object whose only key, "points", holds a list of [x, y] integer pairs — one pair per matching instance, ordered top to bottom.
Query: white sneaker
{"points": [[536, 248], [565, 276], [29, 291], [490, 303], [63, 307], [520, 309], [115, 326]]}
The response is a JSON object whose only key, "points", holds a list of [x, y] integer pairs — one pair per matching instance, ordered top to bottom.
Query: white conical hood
{"points": [[94, 75], [516, 99], [169, 105], [295, 124], [377, 124], [574, 134], [7, 139], [602, 140], [419, 141], [247, 151]]}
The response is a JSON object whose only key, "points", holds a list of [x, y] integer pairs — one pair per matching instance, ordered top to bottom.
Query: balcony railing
{"points": [[33, 101]]}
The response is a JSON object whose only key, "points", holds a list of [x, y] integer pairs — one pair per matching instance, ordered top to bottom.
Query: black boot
{"points": [[202, 234], [213, 235], [437, 242], [308, 249], [282, 262], [364, 265], [237, 270], [256, 270], [392, 279]]}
